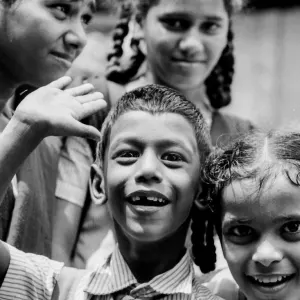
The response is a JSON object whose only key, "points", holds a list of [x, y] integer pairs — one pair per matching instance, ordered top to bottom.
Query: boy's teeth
{"points": [[149, 198], [154, 199]]}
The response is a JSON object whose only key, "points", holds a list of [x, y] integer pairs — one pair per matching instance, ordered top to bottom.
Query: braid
{"points": [[120, 32], [114, 69], [218, 83], [203, 247]]}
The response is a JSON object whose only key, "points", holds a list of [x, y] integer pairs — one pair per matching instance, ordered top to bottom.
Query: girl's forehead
{"points": [[193, 6], [248, 198]]}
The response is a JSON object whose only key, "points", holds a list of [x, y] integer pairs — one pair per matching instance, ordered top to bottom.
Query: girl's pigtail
{"points": [[120, 32], [115, 72], [218, 83], [203, 247]]}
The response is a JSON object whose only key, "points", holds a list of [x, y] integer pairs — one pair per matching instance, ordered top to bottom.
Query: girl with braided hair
{"points": [[186, 45], [251, 189]]}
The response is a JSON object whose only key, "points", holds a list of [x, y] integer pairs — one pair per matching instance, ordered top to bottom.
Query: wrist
{"points": [[29, 126], [27, 132]]}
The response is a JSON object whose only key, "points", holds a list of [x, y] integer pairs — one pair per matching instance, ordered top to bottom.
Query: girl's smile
{"points": [[261, 237]]}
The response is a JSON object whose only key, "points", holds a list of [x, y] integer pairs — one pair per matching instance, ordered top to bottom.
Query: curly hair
{"points": [[217, 84], [258, 155]]}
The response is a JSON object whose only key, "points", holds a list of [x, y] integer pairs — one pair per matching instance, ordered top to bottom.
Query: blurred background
{"points": [[267, 82], [266, 87]]}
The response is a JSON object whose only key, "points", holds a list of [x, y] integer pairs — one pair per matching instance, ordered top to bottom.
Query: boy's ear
{"points": [[96, 185]]}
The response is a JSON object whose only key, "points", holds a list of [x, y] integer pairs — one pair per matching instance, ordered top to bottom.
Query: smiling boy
{"points": [[153, 145]]}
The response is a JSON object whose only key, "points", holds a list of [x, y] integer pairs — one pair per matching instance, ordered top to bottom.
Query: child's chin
{"points": [[146, 232]]}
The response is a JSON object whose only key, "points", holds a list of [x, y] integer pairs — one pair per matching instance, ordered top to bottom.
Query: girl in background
{"points": [[38, 42]]}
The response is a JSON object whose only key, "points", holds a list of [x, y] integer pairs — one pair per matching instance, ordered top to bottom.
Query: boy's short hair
{"points": [[156, 99]]}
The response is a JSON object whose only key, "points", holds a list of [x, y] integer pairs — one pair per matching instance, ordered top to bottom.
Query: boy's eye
{"points": [[176, 24], [210, 27], [128, 154], [127, 157], [171, 157], [292, 227]]}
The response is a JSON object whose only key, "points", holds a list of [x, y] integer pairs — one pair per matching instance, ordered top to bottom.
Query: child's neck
{"points": [[196, 95], [149, 259]]}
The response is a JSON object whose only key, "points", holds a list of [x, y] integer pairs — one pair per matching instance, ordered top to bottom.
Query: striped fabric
{"points": [[29, 276], [33, 277], [114, 280]]}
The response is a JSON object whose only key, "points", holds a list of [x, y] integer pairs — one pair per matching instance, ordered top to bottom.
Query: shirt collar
{"points": [[115, 276]]}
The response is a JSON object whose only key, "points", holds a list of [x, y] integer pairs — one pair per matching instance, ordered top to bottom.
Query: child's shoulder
{"points": [[201, 292]]}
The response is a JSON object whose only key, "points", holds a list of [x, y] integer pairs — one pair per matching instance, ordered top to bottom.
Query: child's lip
{"points": [[270, 283]]}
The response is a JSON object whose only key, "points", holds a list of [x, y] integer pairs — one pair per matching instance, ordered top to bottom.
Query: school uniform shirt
{"points": [[27, 210], [31, 276]]}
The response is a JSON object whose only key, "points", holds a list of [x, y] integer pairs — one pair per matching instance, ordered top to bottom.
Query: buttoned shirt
{"points": [[34, 277]]}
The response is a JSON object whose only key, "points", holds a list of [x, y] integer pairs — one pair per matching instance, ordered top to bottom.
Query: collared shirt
{"points": [[34, 277]]}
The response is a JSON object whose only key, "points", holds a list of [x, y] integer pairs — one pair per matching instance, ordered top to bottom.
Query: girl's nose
{"points": [[76, 37], [192, 42], [266, 254]]}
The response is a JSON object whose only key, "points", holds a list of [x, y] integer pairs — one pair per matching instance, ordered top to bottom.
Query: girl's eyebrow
{"points": [[91, 4], [237, 221]]}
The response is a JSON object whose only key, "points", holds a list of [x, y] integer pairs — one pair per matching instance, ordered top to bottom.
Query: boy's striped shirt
{"points": [[34, 277]]}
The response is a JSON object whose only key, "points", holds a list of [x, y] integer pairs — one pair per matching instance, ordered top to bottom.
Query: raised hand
{"points": [[51, 110]]}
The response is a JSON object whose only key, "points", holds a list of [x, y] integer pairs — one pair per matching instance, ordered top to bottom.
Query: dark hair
{"points": [[115, 72], [218, 83], [157, 99], [258, 155]]}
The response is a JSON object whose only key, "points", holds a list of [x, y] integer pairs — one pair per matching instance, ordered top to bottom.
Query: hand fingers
{"points": [[61, 83], [80, 90], [90, 97], [90, 108], [86, 131]]}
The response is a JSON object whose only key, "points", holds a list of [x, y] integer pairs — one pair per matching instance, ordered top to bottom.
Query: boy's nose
{"points": [[148, 169], [266, 254]]}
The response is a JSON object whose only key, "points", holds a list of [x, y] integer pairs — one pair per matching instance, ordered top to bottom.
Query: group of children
{"points": [[155, 167]]}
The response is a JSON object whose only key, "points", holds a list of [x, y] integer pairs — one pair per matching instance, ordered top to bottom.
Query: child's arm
{"points": [[47, 111]]}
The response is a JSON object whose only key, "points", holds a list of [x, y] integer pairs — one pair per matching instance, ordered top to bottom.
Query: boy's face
{"points": [[152, 171], [261, 238]]}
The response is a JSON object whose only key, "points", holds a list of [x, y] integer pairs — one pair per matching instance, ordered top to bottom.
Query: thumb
{"points": [[61, 83]]}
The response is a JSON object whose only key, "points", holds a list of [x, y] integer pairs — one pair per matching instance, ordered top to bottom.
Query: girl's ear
{"points": [[96, 185], [199, 201]]}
